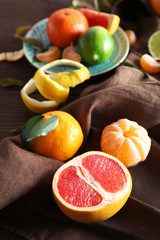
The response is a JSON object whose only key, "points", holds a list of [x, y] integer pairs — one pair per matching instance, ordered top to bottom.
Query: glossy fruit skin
{"points": [[65, 25], [95, 45], [61, 143]]}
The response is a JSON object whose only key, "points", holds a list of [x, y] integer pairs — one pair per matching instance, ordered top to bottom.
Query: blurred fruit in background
{"points": [[155, 5]]}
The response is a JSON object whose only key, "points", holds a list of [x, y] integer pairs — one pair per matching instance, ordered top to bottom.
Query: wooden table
{"points": [[12, 15], [12, 110]]}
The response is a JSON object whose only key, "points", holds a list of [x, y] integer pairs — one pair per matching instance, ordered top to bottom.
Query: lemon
{"points": [[95, 45], [154, 45], [71, 79], [53, 86], [33, 104]]}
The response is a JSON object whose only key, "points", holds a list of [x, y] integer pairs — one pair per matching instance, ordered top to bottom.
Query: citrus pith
{"points": [[33, 104], [63, 142], [91, 187]]}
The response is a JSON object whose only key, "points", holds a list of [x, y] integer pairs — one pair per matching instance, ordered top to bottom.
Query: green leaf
{"points": [[82, 3], [104, 5], [21, 29], [31, 41], [134, 66], [6, 82], [49, 125], [34, 128], [17, 130]]}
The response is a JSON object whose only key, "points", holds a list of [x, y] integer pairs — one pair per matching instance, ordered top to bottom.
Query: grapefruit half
{"points": [[107, 20], [91, 187]]}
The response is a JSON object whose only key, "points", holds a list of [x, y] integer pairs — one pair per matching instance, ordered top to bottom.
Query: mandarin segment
{"points": [[131, 37], [70, 53], [50, 55], [149, 64], [127, 141]]}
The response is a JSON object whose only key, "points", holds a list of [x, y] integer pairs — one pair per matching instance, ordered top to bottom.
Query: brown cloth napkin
{"points": [[26, 202]]}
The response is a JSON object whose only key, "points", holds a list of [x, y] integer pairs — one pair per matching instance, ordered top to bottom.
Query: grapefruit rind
{"points": [[95, 18], [111, 203]]}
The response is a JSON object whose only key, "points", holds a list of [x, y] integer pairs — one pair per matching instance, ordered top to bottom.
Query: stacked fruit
{"points": [[65, 28], [89, 29]]}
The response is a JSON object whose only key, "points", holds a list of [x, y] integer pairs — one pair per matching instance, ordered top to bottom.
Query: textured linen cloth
{"points": [[26, 202]]}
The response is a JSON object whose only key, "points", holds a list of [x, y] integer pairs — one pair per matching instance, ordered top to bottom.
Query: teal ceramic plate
{"points": [[121, 49]]}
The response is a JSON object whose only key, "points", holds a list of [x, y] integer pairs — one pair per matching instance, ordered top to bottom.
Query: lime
{"points": [[95, 45], [154, 45]]}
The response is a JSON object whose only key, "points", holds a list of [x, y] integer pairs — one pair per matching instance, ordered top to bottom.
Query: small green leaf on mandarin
{"points": [[34, 128]]}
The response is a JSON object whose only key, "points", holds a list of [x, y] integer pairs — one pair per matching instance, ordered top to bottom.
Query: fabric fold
{"points": [[26, 201]]}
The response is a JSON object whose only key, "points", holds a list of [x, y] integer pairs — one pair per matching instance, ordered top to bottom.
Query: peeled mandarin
{"points": [[126, 140]]}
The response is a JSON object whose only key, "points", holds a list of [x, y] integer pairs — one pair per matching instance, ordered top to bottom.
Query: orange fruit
{"points": [[155, 5], [103, 19], [65, 26], [70, 53], [50, 55], [149, 64], [127, 141], [63, 142], [91, 187]]}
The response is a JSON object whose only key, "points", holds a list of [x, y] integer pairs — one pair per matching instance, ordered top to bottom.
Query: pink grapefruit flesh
{"points": [[73, 183]]}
